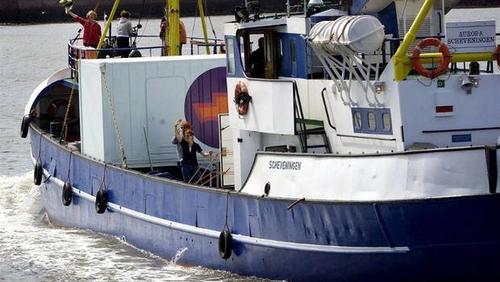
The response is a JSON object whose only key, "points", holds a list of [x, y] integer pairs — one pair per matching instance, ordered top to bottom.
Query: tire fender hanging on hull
{"points": [[25, 126], [37, 173], [67, 193], [101, 201], [225, 244]]}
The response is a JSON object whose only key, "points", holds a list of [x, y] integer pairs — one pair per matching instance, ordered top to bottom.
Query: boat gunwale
{"points": [[182, 184]]}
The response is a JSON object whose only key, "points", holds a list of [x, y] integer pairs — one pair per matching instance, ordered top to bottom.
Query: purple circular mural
{"points": [[205, 100]]}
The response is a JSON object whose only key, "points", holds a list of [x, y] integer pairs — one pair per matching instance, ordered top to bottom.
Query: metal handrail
{"points": [[76, 52], [326, 109], [300, 118]]}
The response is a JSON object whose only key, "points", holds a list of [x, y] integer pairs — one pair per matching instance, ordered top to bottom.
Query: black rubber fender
{"points": [[25, 124], [38, 173], [67, 193], [101, 201], [225, 244]]}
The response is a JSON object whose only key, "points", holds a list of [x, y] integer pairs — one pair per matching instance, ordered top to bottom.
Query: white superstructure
{"points": [[338, 86], [128, 104]]}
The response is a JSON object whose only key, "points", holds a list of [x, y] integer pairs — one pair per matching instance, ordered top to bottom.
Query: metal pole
{"points": [[288, 8], [203, 25], [173, 28]]}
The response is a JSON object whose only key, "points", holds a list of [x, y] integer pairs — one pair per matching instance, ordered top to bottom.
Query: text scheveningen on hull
{"points": [[285, 165]]}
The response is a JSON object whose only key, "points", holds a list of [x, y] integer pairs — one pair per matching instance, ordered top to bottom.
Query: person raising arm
{"points": [[91, 29], [189, 160]]}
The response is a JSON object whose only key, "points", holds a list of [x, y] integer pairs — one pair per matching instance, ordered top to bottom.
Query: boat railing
{"points": [[391, 45], [388, 50], [77, 51]]}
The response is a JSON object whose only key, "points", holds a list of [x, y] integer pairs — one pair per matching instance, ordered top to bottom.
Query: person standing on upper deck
{"points": [[91, 29], [123, 33], [163, 35]]}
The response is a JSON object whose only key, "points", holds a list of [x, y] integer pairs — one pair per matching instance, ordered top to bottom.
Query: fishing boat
{"points": [[356, 141]]}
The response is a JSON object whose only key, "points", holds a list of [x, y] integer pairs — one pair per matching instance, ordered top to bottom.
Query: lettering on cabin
{"points": [[471, 37], [285, 165]]}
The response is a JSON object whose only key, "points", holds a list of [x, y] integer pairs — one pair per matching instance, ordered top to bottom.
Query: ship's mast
{"points": [[173, 17]]}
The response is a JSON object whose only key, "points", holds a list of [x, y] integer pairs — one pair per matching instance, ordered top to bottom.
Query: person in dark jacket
{"points": [[258, 61], [189, 162]]}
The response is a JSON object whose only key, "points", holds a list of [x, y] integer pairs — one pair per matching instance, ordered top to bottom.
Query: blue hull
{"points": [[455, 239]]}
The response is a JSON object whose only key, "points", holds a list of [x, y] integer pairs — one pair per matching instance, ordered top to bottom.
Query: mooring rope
{"points": [[66, 114], [115, 122]]}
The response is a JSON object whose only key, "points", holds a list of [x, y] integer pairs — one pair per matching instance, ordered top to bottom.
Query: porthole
{"points": [[357, 120], [372, 121], [386, 121]]}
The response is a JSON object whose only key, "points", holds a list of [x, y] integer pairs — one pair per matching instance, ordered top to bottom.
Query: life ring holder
{"points": [[443, 66]]}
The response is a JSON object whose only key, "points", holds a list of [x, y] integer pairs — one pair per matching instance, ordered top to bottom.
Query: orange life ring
{"points": [[497, 55], [445, 61]]}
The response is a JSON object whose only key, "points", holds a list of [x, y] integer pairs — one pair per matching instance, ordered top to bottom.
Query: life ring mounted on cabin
{"points": [[443, 65], [241, 98]]}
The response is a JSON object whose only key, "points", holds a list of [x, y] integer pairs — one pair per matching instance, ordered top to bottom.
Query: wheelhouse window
{"points": [[260, 53], [293, 57], [231, 65]]}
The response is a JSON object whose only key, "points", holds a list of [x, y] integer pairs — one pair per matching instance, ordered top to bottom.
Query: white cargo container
{"points": [[140, 94]]}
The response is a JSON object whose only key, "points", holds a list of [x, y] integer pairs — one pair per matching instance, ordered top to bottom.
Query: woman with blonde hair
{"points": [[91, 29]]}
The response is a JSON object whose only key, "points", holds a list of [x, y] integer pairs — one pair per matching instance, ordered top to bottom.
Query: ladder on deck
{"points": [[307, 128]]}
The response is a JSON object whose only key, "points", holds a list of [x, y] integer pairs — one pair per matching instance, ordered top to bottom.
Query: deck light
{"points": [[315, 3], [469, 82], [379, 87]]}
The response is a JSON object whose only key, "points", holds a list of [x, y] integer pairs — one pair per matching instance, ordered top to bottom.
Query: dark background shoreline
{"points": [[45, 11]]}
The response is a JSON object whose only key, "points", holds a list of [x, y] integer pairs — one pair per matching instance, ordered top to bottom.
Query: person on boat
{"points": [[91, 29], [123, 33], [163, 34], [258, 61], [180, 127], [189, 162]]}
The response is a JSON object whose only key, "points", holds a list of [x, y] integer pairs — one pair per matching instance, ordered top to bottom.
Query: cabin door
{"points": [[164, 105], [226, 152]]}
